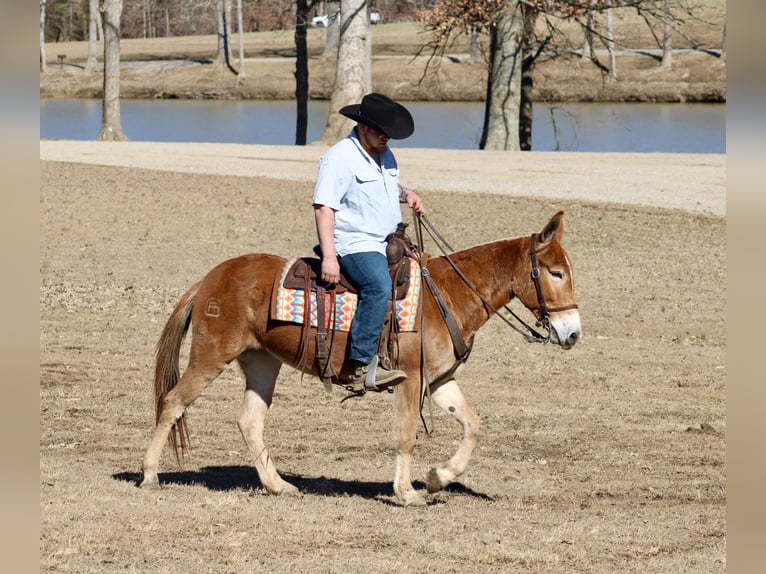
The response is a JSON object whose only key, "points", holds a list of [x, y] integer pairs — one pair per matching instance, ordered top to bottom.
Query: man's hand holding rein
{"points": [[412, 199]]}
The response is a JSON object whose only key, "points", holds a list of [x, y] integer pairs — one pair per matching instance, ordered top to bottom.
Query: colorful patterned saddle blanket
{"points": [[290, 300]]}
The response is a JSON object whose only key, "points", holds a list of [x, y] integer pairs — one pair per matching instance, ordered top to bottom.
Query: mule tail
{"points": [[166, 369]]}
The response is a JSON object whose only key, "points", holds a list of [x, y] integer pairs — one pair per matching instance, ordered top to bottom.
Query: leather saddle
{"points": [[305, 273]]}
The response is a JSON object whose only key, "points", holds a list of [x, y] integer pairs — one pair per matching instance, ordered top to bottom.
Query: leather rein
{"points": [[543, 311]]}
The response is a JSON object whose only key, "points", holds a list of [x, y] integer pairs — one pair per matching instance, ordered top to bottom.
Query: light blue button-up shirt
{"points": [[364, 196]]}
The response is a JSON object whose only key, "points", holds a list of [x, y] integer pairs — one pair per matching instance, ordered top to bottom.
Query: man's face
{"points": [[371, 139]]}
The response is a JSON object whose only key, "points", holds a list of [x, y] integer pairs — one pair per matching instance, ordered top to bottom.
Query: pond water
{"points": [[586, 127]]}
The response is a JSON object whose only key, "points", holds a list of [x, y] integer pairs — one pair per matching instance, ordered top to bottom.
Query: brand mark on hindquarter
{"points": [[212, 308]]}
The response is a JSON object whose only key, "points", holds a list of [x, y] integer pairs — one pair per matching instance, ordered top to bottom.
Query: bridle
{"points": [[543, 311]]}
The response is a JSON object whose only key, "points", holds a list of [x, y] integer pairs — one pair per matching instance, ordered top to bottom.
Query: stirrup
{"points": [[372, 378], [372, 384]]}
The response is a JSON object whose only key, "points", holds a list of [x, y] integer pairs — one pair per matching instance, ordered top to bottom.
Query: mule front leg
{"points": [[261, 370], [450, 399], [407, 404]]}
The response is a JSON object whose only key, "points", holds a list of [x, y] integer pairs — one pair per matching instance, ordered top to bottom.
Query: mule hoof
{"points": [[433, 481], [150, 484], [285, 489], [291, 492], [411, 498], [416, 501]]}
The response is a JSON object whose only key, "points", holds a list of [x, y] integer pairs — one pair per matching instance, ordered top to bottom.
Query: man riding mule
{"points": [[356, 207], [229, 314]]}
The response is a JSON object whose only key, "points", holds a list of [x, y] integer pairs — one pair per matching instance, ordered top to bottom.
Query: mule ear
{"points": [[554, 229]]}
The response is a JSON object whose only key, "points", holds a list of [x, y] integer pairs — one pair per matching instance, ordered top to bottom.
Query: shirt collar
{"points": [[354, 137]]}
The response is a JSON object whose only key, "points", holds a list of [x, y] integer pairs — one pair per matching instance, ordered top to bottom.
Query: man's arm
{"points": [[325, 222]]}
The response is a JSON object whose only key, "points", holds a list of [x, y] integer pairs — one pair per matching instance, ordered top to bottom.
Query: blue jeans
{"points": [[368, 272]]}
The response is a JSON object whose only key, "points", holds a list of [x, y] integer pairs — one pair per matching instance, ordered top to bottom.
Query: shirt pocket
{"points": [[366, 174], [369, 193]]}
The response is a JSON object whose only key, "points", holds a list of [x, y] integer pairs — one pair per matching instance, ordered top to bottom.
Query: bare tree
{"points": [[220, 13], [504, 20], [99, 26], [333, 30], [667, 34], [241, 35], [723, 43], [610, 44], [515, 45], [587, 45], [475, 50], [223, 54], [529, 57], [92, 61], [43, 63], [301, 72], [353, 76], [501, 113], [111, 124]]}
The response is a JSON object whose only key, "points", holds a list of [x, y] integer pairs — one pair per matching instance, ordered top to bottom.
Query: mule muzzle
{"points": [[565, 329]]}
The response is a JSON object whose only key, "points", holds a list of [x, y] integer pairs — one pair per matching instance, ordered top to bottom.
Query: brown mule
{"points": [[228, 313]]}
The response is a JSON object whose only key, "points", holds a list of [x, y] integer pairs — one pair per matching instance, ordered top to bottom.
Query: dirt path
{"points": [[691, 182]]}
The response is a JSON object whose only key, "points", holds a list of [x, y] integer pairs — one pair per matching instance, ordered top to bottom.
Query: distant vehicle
{"points": [[320, 21], [324, 21]]}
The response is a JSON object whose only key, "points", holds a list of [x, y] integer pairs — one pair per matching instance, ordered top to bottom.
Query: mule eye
{"points": [[556, 274]]}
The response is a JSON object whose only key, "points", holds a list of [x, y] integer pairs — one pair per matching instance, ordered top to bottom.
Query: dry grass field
{"points": [[608, 457]]}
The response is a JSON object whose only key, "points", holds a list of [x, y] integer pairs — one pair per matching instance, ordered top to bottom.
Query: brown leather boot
{"points": [[372, 377]]}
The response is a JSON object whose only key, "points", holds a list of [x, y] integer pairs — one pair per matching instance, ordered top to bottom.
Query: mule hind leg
{"points": [[261, 370], [196, 377], [451, 400]]}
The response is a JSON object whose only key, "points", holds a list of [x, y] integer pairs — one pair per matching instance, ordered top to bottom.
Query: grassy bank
{"points": [[180, 67]]}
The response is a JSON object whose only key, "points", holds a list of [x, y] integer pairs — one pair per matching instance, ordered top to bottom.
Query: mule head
{"points": [[544, 283]]}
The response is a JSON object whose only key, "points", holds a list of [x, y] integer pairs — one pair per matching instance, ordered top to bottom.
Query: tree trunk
{"points": [[223, 9], [228, 10], [144, 19], [99, 26], [333, 32], [241, 34], [667, 34], [723, 43], [587, 45], [610, 45], [475, 50], [223, 54], [220, 59], [92, 61], [43, 63], [352, 71], [301, 73], [526, 107], [501, 114], [111, 125]]}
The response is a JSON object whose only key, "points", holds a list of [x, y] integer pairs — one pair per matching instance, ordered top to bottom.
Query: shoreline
{"points": [[695, 78]]}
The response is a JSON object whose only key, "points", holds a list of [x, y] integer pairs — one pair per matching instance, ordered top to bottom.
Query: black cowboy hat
{"points": [[383, 114]]}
